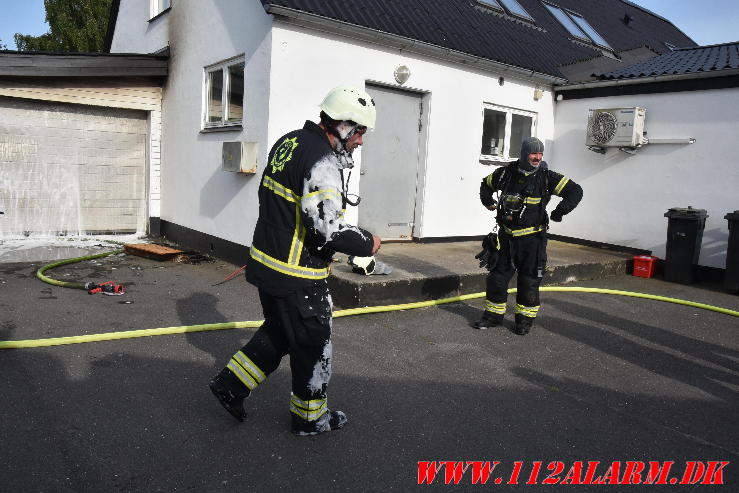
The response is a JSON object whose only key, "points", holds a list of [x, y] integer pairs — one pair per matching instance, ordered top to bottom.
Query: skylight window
{"points": [[510, 7], [515, 8], [577, 26]]}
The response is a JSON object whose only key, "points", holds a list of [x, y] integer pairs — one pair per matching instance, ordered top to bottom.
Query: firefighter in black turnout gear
{"points": [[523, 188], [301, 225]]}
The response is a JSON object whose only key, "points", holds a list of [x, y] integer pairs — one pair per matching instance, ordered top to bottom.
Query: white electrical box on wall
{"points": [[616, 127], [240, 157]]}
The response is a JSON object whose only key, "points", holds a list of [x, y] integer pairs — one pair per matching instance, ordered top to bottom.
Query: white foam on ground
{"points": [[43, 248]]}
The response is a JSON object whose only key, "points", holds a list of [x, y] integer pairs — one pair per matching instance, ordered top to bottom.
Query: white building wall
{"points": [[135, 32], [306, 64], [195, 192], [626, 196]]}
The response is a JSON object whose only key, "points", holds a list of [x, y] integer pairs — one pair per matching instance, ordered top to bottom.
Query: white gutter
{"points": [[353, 31], [648, 79]]}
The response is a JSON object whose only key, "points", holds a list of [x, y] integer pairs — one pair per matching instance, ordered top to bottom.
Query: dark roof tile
{"points": [[712, 58]]}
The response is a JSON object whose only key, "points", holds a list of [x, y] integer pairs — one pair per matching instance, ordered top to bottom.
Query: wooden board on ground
{"points": [[148, 250]]}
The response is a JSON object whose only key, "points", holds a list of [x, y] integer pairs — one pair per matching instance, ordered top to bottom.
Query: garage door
{"points": [[71, 169]]}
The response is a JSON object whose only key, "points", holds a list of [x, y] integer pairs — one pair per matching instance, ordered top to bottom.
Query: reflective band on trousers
{"points": [[523, 232], [285, 268], [498, 308], [527, 311], [245, 370], [308, 410]]}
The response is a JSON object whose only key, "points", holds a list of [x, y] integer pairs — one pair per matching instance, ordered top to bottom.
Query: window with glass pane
{"points": [[158, 6], [516, 8], [568, 23], [585, 26], [236, 92], [215, 96], [520, 129], [503, 131], [493, 133]]}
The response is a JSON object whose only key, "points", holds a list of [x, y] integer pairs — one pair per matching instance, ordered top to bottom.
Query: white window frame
{"points": [[156, 7], [224, 68], [509, 112]]}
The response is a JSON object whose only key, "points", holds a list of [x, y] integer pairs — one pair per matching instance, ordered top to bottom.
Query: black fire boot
{"points": [[488, 321], [523, 324], [230, 393], [330, 421]]}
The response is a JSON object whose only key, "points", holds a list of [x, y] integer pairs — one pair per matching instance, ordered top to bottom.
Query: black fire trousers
{"points": [[527, 255], [299, 324]]}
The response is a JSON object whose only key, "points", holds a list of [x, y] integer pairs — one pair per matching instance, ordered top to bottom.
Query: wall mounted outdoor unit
{"points": [[615, 127], [240, 157]]}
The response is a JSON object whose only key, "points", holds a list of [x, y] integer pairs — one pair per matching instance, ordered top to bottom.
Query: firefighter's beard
{"points": [[343, 155]]}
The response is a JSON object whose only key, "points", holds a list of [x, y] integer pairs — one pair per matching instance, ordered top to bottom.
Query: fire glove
{"points": [[556, 216], [488, 257]]}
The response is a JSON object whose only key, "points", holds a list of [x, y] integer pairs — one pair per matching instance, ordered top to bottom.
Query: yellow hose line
{"points": [[67, 284], [341, 313]]}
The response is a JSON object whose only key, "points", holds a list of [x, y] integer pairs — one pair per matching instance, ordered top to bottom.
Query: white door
{"points": [[390, 164], [71, 169]]}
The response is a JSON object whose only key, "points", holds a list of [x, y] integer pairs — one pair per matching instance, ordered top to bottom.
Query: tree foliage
{"points": [[74, 25], [2, 46]]}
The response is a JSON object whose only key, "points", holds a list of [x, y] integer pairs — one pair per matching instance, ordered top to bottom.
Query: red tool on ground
{"points": [[109, 288]]}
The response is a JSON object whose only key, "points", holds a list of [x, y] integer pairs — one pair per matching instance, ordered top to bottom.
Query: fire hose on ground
{"points": [[130, 334]]}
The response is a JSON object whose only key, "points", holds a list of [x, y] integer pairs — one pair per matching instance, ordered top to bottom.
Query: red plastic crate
{"points": [[644, 265]]}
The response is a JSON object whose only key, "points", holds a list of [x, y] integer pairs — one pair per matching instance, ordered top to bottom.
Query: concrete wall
{"points": [[71, 168], [626, 195]]}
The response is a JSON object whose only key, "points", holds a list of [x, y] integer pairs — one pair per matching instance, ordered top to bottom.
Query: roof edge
{"points": [[333, 26], [648, 79]]}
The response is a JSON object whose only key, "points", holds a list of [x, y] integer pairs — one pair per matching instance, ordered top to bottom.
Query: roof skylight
{"points": [[510, 7], [515, 8], [577, 25]]}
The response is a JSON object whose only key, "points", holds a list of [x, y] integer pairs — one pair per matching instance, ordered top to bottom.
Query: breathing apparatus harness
{"points": [[346, 161], [511, 206]]}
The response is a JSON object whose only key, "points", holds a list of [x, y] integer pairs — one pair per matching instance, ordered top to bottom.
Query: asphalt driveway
{"points": [[600, 378]]}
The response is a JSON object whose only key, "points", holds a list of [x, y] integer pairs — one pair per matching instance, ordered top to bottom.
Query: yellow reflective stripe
{"points": [[489, 180], [561, 185], [285, 193], [324, 194], [532, 200], [523, 232], [296, 247], [285, 268], [498, 308], [527, 311], [249, 366], [245, 378], [309, 411]]}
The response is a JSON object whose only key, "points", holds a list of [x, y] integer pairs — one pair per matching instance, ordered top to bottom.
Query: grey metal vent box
{"points": [[240, 157]]}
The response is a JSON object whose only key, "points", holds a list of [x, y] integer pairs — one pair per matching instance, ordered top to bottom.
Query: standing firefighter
{"points": [[525, 187], [301, 225]]}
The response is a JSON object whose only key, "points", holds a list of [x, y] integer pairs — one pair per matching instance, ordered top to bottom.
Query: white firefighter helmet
{"points": [[349, 103]]}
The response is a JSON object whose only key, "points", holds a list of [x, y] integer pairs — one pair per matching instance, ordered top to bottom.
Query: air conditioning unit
{"points": [[616, 127], [240, 157]]}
